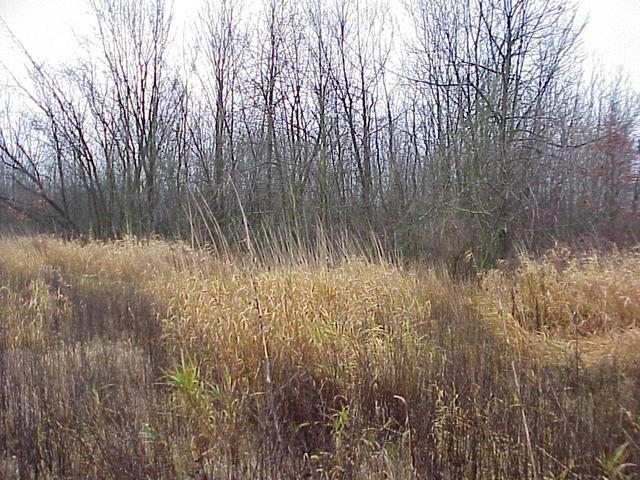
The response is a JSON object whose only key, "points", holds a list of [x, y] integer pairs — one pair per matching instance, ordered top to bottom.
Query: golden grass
{"points": [[129, 259], [563, 302], [307, 315], [29, 316], [264, 340], [338, 365]]}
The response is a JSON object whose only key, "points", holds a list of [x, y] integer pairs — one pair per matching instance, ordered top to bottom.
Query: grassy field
{"points": [[152, 360]]}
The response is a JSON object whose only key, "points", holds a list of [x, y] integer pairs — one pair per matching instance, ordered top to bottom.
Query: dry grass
{"points": [[126, 260], [562, 302], [148, 359]]}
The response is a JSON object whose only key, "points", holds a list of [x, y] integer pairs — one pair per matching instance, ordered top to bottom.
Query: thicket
{"points": [[447, 128]]}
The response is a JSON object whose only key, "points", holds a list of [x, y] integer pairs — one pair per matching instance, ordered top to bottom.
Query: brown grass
{"points": [[588, 304], [149, 359]]}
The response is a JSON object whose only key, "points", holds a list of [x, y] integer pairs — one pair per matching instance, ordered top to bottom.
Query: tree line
{"points": [[452, 128]]}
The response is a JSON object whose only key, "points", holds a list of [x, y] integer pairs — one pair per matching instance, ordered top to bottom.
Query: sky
{"points": [[49, 30], [612, 35]]}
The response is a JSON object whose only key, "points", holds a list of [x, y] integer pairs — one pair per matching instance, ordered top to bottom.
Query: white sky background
{"points": [[49, 28]]}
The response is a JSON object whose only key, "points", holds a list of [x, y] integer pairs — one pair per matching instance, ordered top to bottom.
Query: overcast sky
{"points": [[46, 28]]}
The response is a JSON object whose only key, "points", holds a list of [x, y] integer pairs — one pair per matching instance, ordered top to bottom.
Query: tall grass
{"points": [[588, 304], [150, 359]]}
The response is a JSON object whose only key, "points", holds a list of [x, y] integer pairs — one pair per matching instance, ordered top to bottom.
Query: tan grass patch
{"points": [[129, 259], [588, 303], [309, 315], [30, 316]]}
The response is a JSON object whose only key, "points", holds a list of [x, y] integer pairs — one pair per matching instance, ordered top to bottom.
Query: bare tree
{"points": [[361, 55], [478, 132]]}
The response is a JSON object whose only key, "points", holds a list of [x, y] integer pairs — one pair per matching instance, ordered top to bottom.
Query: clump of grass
{"points": [[128, 260], [564, 301], [316, 314], [31, 315], [292, 346]]}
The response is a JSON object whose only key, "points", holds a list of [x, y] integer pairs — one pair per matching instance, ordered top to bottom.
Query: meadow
{"points": [[149, 359]]}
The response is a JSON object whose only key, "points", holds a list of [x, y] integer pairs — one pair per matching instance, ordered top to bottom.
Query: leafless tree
{"points": [[477, 131]]}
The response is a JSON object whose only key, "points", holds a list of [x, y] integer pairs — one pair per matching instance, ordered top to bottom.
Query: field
{"points": [[145, 359]]}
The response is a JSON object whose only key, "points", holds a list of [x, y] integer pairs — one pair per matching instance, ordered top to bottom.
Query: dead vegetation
{"points": [[587, 304], [148, 359]]}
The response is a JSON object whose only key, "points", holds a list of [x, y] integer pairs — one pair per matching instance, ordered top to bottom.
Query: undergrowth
{"points": [[150, 359]]}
